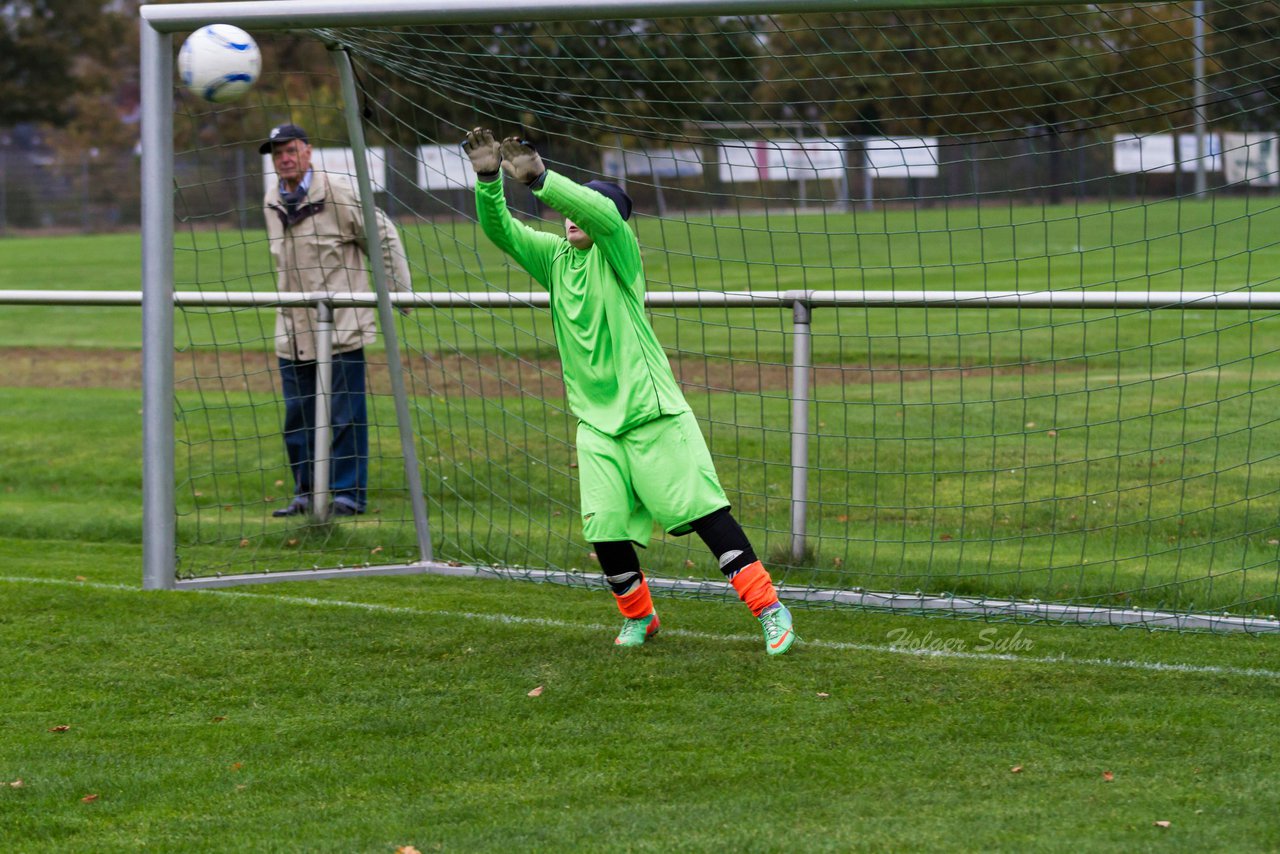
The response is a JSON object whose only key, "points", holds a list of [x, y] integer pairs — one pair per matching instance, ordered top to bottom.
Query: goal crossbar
{"points": [[299, 14]]}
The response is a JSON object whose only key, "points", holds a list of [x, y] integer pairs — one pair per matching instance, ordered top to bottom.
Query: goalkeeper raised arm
{"points": [[641, 455]]}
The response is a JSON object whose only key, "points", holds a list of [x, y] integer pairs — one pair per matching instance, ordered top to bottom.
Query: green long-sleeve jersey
{"points": [[615, 373]]}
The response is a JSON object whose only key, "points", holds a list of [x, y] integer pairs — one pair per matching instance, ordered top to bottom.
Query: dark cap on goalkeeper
{"points": [[282, 133], [613, 193]]}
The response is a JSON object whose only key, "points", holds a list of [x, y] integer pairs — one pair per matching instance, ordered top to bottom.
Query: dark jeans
{"points": [[349, 420]]}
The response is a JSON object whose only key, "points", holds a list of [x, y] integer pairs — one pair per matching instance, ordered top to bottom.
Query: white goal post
{"points": [[159, 298]]}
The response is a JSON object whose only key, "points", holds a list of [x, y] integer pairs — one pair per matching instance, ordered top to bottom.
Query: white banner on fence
{"points": [[1154, 152], [902, 156], [1251, 158], [782, 159], [336, 161], [680, 162], [444, 167]]}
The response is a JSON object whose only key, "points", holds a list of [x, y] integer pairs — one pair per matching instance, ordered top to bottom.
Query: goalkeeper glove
{"points": [[484, 151], [520, 160]]}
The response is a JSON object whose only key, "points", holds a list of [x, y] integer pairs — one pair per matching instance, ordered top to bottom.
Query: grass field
{"points": [[1114, 457], [369, 714], [364, 715]]}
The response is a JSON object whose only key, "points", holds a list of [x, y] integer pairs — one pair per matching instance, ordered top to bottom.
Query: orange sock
{"points": [[755, 587], [636, 604]]}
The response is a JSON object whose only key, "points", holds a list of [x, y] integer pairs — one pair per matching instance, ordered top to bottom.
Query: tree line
{"points": [[72, 66]]}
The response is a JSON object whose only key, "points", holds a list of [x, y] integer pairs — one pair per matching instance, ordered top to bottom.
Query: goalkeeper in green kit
{"points": [[641, 455]]}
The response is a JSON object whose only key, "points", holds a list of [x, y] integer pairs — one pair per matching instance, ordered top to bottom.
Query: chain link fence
{"points": [[43, 189]]}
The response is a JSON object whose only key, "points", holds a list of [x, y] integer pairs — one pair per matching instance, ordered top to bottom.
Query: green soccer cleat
{"points": [[636, 632], [778, 633]]}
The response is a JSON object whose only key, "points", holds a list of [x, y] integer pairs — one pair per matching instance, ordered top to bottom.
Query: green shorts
{"points": [[660, 470]]}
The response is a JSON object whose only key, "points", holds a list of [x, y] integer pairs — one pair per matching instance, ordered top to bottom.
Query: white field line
{"points": [[512, 619]]}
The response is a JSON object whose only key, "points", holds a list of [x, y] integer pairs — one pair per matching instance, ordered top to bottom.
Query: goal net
{"points": [[975, 306]]}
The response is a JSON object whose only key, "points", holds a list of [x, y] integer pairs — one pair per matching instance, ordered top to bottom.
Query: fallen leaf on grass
{"points": [[291, 542], [244, 543], [376, 550], [81, 578], [536, 692], [823, 694], [217, 719], [60, 728], [236, 766], [1017, 769], [1108, 776], [16, 784], [88, 799], [1161, 824], [407, 849]]}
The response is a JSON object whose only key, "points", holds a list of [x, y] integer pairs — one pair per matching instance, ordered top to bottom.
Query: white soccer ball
{"points": [[219, 63]]}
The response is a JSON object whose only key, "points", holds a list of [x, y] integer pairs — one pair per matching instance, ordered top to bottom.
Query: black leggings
{"points": [[719, 530]]}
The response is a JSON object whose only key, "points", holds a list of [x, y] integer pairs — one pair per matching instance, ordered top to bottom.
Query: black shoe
{"points": [[296, 507], [342, 508]]}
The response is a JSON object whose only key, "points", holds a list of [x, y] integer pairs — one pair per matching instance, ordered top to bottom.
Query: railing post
{"points": [[802, 357], [321, 452]]}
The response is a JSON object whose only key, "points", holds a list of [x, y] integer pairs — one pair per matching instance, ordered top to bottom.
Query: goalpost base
{"points": [[995, 610]]}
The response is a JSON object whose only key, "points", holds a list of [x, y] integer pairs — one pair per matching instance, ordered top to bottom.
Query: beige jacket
{"points": [[322, 247]]}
